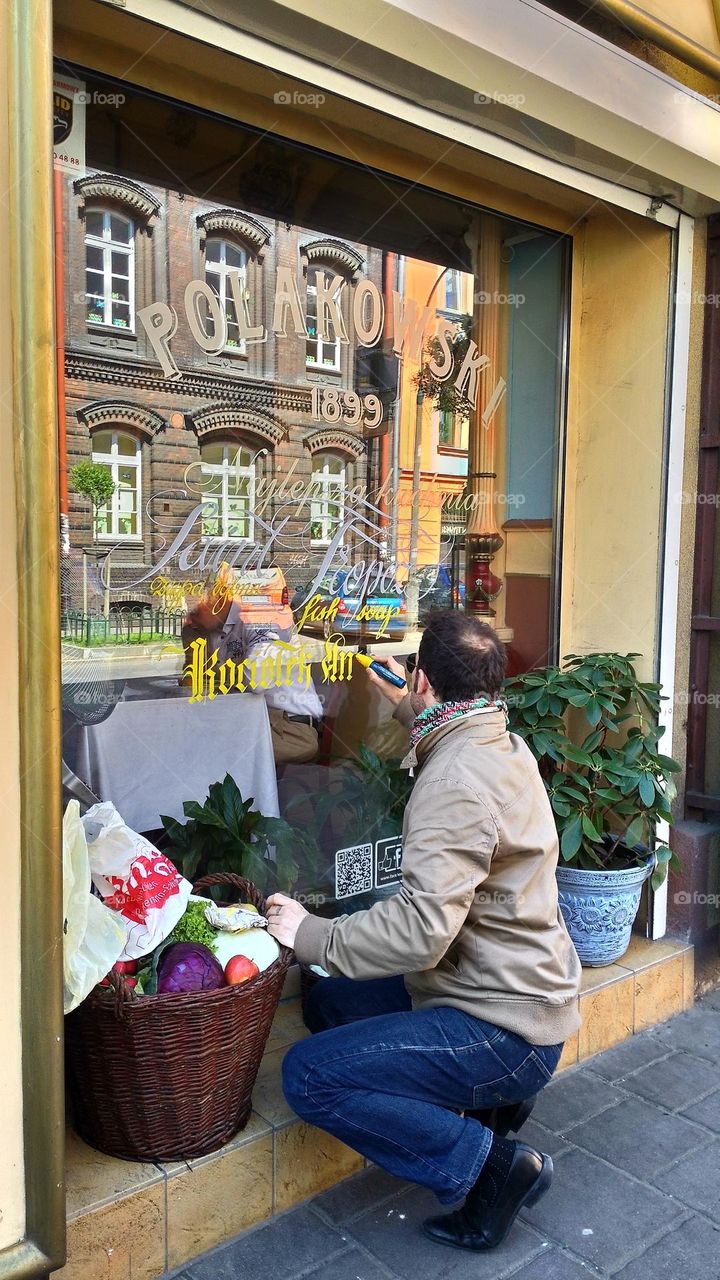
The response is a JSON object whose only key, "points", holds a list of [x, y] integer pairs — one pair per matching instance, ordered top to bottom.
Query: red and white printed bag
{"points": [[134, 879]]}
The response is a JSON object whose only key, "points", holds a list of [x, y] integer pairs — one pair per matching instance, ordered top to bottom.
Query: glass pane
{"points": [[93, 223], [120, 230], [213, 249], [94, 257], [234, 257], [120, 264], [120, 289], [95, 311], [121, 315], [102, 442], [126, 446], [212, 453], [212, 482], [127, 503], [238, 506], [211, 521], [103, 522], [238, 529]]}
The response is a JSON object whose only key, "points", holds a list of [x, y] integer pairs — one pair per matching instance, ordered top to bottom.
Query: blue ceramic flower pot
{"points": [[599, 908]]}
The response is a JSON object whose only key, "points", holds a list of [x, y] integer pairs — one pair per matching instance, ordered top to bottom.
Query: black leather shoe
{"points": [[505, 1120], [478, 1225]]}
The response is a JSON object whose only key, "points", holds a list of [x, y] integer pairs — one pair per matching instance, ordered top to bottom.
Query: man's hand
{"points": [[389, 691], [285, 916]]}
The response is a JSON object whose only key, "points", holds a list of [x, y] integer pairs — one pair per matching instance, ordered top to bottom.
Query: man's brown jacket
{"points": [[476, 923]]}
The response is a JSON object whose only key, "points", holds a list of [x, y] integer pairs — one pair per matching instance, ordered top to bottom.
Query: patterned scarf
{"points": [[445, 712]]}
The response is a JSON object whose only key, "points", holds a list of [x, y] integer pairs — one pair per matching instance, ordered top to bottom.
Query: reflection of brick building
{"points": [[240, 416]]}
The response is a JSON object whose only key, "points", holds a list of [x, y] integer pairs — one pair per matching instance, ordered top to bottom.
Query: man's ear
{"points": [[422, 684]]}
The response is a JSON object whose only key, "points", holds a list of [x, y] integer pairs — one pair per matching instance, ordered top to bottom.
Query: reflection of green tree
{"points": [[444, 396], [94, 481]]}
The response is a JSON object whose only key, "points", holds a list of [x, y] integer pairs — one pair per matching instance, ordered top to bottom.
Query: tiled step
{"points": [[135, 1221]]}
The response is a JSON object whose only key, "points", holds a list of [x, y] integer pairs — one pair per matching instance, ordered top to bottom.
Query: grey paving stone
{"points": [[711, 1000], [697, 1031], [615, 1064], [675, 1081], [572, 1099], [706, 1112], [637, 1137], [542, 1139], [695, 1180], [356, 1195], [589, 1197], [392, 1234], [281, 1248], [692, 1251], [551, 1264], [352, 1265]]}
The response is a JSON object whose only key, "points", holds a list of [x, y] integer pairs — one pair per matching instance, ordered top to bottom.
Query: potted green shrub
{"points": [[592, 726]]}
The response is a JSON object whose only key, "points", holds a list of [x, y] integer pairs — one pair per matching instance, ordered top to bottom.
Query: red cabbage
{"points": [[189, 966]]}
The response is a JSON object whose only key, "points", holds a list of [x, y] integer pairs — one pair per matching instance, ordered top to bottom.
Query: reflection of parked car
{"points": [[438, 591], [262, 596], [328, 611]]}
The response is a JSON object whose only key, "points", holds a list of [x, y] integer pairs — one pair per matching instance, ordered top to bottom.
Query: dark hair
{"points": [[461, 656]]}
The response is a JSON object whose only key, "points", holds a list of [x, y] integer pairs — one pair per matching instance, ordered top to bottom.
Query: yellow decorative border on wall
{"points": [[29, 184]]}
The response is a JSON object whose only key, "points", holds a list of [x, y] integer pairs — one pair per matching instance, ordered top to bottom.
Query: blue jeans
{"points": [[391, 1082]]}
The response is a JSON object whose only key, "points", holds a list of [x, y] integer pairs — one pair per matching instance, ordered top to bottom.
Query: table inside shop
{"points": [[154, 752]]}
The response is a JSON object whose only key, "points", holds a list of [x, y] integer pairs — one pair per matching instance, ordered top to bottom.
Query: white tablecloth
{"points": [[150, 756]]}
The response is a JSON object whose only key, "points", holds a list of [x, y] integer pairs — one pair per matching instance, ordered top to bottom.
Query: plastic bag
{"points": [[135, 879], [93, 937]]}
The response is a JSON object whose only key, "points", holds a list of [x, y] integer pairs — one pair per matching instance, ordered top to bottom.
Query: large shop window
{"points": [[376, 433]]}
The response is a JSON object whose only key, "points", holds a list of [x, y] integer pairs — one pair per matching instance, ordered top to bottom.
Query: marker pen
{"points": [[369, 663]]}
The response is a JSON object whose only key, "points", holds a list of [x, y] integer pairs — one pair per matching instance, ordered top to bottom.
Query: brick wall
{"points": [[104, 367]]}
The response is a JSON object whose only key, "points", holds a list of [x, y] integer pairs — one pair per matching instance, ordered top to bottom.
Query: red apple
{"points": [[126, 966], [240, 969]]}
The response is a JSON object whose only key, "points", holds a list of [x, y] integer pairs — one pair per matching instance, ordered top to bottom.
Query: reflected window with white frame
{"points": [[222, 258], [109, 269], [453, 290], [320, 354], [121, 455], [228, 492], [327, 508]]}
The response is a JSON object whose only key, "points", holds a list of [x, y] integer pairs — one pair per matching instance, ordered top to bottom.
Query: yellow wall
{"points": [[615, 436], [12, 1202]]}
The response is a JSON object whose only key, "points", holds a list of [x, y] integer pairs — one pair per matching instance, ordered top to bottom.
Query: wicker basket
{"points": [[170, 1077]]}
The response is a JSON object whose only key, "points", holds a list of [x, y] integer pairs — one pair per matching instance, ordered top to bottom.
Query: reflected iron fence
{"points": [[122, 626]]}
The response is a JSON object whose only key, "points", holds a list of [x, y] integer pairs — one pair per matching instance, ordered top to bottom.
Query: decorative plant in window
{"points": [[226, 833]]}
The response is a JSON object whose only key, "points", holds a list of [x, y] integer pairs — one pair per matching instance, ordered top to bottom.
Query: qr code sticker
{"points": [[353, 870]]}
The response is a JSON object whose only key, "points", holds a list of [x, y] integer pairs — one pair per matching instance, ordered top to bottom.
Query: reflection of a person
{"points": [[294, 710]]}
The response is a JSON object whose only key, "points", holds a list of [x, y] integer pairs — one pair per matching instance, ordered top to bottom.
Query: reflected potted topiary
{"points": [[592, 726]]}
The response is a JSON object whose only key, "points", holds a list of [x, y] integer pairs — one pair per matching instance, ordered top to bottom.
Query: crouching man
{"points": [[427, 1072]]}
